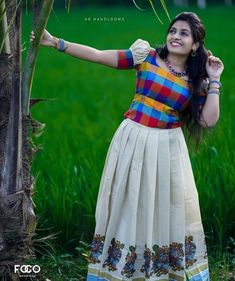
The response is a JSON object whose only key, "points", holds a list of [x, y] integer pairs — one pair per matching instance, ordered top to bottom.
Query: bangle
{"points": [[54, 42], [62, 47], [215, 81], [213, 88], [213, 92]]}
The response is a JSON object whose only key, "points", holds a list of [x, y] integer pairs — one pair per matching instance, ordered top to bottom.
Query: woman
{"points": [[148, 222]]}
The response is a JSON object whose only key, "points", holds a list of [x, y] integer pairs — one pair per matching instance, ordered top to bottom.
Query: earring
{"points": [[193, 53]]}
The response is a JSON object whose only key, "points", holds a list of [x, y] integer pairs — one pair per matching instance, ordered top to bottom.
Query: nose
{"points": [[176, 35]]}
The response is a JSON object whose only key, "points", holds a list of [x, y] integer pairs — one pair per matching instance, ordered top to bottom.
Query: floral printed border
{"points": [[157, 261]]}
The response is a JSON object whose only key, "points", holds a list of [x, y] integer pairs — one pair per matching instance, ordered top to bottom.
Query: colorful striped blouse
{"points": [[159, 95]]}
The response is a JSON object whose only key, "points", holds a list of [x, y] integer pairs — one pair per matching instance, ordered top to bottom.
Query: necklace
{"points": [[178, 74]]}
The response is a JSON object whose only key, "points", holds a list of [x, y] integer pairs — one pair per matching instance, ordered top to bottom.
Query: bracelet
{"points": [[62, 47], [215, 81], [213, 88], [213, 92]]}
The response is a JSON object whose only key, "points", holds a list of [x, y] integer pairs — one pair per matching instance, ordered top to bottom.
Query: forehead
{"points": [[179, 24]]}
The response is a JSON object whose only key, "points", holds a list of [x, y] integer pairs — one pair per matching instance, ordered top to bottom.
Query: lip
{"points": [[175, 44]]}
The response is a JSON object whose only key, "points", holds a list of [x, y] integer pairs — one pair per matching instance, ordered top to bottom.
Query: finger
{"points": [[31, 39], [209, 53], [213, 57], [210, 60], [216, 60], [216, 65]]}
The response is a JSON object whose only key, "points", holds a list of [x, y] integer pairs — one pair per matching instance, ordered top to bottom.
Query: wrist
{"points": [[55, 42], [214, 78]]}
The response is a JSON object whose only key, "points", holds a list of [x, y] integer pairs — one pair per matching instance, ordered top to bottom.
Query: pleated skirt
{"points": [[148, 221]]}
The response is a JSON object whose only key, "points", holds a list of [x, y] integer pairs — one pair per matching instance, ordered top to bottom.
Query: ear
{"points": [[195, 46]]}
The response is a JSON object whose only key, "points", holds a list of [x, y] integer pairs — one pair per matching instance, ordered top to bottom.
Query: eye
{"points": [[172, 31], [184, 33]]}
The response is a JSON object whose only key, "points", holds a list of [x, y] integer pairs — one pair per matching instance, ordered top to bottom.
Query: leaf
{"points": [[151, 3], [163, 3], [68, 5], [137, 6], [165, 9], [37, 100], [37, 127], [132, 248], [155, 248]]}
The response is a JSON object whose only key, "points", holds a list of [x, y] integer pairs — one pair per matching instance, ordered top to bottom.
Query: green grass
{"points": [[89, 102]]}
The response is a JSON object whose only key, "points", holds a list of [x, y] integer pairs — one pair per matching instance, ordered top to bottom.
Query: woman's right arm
{"points": [[105, 57], [122, 59]]}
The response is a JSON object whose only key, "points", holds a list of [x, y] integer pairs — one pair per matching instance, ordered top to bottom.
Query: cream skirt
{"points": [[148, 222]]}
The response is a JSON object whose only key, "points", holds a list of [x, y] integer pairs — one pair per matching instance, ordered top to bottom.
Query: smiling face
{"points": [[179, 40]]}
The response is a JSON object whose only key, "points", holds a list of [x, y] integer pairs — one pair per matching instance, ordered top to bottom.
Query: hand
{"points": [[47, 39], [214, 67]]}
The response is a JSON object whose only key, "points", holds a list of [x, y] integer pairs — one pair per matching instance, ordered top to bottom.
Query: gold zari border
{"points": [[112, 278]]}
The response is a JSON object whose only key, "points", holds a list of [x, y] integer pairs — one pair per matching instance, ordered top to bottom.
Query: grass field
{"points": [[87, 104]]}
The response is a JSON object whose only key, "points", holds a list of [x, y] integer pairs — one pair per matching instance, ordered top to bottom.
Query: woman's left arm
{"points": [[210, 112]]}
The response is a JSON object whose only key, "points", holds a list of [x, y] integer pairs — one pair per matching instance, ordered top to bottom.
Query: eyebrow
{"points": [[183, 29]]}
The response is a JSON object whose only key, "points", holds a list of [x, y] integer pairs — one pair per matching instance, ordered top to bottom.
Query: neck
{"points": [[178, 62]]}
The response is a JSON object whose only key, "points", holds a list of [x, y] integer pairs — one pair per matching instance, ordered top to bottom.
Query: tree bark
{"points": [[4, 37], [32, 54], [16, 205], [17, 221]]}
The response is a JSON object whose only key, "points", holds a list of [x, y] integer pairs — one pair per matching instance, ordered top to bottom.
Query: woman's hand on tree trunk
{"points": [[47, 39]]}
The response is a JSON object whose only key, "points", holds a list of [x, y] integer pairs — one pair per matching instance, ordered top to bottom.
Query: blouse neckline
{"points": [[154, 61]]}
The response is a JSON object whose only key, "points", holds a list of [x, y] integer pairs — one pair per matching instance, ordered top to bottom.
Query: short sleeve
{"points": [[133, 56]]}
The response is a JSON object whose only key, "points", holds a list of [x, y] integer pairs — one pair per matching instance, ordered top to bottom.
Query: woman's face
{"points": [[179, 39]]}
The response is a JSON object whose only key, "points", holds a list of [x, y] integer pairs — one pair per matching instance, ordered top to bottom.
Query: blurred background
{"points": [[87, 103]]}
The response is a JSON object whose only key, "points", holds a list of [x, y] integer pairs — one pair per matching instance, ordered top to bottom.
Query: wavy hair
{"points": [[196, 72]]}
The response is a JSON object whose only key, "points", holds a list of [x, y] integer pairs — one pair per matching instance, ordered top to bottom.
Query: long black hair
{"points": [[197, 74]]}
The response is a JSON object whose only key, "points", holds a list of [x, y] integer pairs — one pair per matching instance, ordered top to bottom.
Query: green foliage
{"points": [[154, 9], [89, 104], [61, 267], [222, 267]]}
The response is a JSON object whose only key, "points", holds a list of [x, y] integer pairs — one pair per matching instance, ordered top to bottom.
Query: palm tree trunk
{"points": [[4, 37], [32, 54], [12, 198], [17, 220]]}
